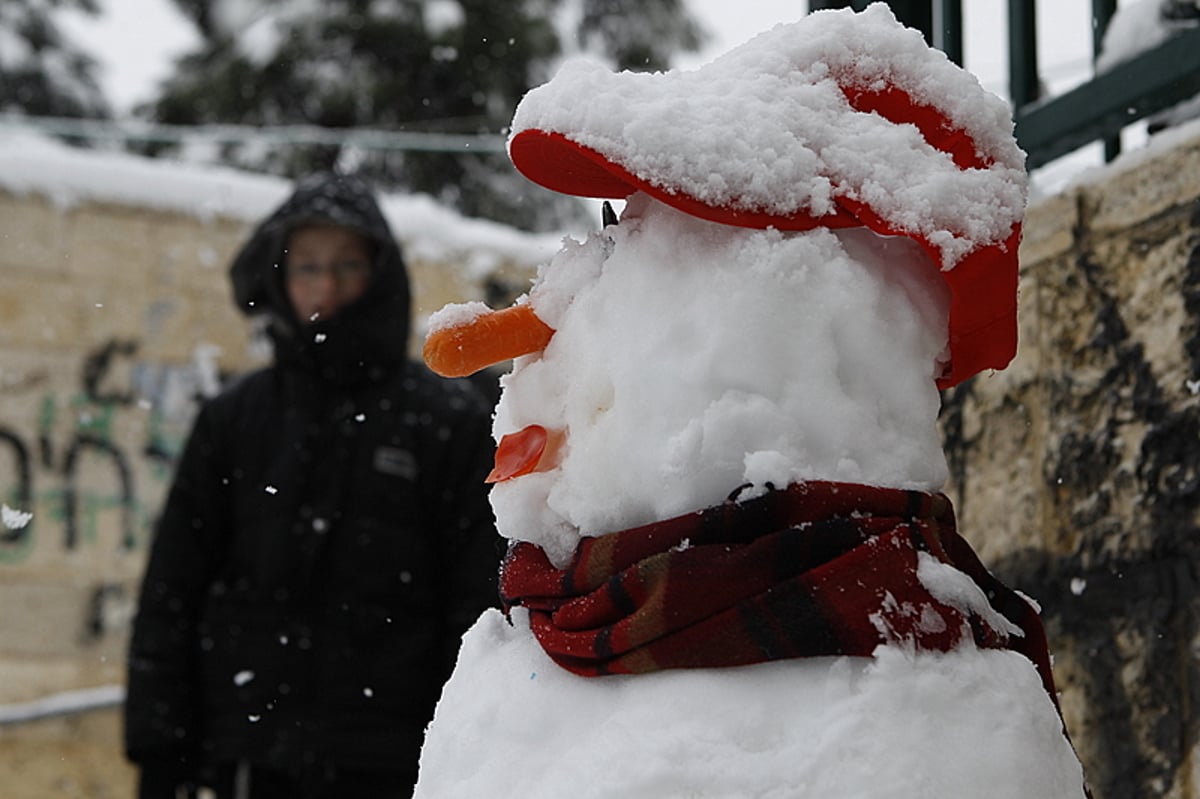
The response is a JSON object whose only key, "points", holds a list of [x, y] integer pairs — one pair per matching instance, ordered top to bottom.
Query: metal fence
{"points": [[1050, 127]]}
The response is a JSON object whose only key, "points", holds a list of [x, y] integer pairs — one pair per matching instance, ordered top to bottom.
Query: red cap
{"points": [[983, 284]]}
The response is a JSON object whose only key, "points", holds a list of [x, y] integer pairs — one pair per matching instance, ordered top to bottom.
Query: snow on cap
{"points": [[839, 119]]}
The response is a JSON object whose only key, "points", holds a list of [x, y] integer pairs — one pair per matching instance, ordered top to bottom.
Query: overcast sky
{"points": [[134, 41]]}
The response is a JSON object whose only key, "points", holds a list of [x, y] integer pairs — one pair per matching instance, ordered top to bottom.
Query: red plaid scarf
{"points": [[816, 569]]}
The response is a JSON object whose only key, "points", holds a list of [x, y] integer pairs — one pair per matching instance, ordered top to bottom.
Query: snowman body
{"points": [[807, 253], [691, 359], [898, 725]]}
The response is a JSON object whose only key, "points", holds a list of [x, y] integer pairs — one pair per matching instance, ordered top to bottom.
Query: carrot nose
{"points": [[492, 337]]}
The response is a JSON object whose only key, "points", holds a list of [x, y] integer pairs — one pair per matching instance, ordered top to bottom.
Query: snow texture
{"points": [[797, 143], [32, 164], [456, 315], [692, 358], [898, 725]]}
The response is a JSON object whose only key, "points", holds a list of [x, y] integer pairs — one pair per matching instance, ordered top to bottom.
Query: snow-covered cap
{"points": [[840, 119]]}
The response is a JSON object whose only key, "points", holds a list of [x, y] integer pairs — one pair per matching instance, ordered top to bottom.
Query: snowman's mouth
{"points": [[531, 449]]}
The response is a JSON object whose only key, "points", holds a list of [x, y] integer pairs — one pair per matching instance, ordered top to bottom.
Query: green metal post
{"points": [[1102, 14], [948, 29], [1023, 77]]}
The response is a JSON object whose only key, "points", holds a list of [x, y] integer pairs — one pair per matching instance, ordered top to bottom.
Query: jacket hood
{"points": [[369, 336]]}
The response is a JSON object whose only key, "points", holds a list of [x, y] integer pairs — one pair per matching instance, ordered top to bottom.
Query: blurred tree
{"points": [[638, 34], [447, 66], [41, 72]]}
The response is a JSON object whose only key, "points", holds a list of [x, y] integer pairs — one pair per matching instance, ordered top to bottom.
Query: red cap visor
{"points": [[983, 321]]}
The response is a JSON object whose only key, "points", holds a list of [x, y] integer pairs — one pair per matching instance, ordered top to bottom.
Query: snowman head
{"points": [[821, 230]]}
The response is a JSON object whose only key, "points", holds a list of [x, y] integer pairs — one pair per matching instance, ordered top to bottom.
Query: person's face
{"points": [[326, 267]]}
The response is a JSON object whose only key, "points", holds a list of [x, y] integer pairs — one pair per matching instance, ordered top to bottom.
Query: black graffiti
{"points": [[96, 367], [81, 443], [64, 456], [1127, 600], [110, 608]]}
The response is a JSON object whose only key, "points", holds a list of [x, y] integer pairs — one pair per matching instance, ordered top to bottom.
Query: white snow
{"points": [[442, 15], [1134, 28], [260, 41], [799, 146], [33, 164], [455, 315], [690, 358], [14, 519], [949, 585], [899, 725]]}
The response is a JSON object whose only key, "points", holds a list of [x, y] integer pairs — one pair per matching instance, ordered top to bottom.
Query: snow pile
{"points": [[1141, 26], [1134, 28], [67, 176], [691, 358], [901, 725]]}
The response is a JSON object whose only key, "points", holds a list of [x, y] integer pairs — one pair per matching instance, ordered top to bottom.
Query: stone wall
{"points": [[105, 309], [114, 320], [1076, 471]]}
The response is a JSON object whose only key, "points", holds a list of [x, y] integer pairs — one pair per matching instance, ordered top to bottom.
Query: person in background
{"points": [[326, 540]]}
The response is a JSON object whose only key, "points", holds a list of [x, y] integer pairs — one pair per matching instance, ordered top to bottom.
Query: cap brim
{"points": [[552, 160], [983, 286]]}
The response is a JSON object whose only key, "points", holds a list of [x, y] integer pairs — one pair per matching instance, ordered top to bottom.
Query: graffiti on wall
{"points": [[105, 446]]}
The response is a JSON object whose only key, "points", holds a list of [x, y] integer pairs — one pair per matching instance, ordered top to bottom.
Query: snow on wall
{"points": [[67, 176]]}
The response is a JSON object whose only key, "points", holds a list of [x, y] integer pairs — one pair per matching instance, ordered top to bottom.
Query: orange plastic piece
{"points": [[490, 338], [533, 449], [518, 453]]}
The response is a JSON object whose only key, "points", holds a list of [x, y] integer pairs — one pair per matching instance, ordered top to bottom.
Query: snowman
{"points": [[731, 572]]}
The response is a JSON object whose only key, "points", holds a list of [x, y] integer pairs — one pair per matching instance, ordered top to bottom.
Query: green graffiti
{"points": [[48, 415], [92, 417], [74, 427], [162, 447], [91, 505], [51, 512]]}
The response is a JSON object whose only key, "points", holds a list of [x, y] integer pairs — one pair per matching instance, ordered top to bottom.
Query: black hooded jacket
{"points": [[327, 538]]}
